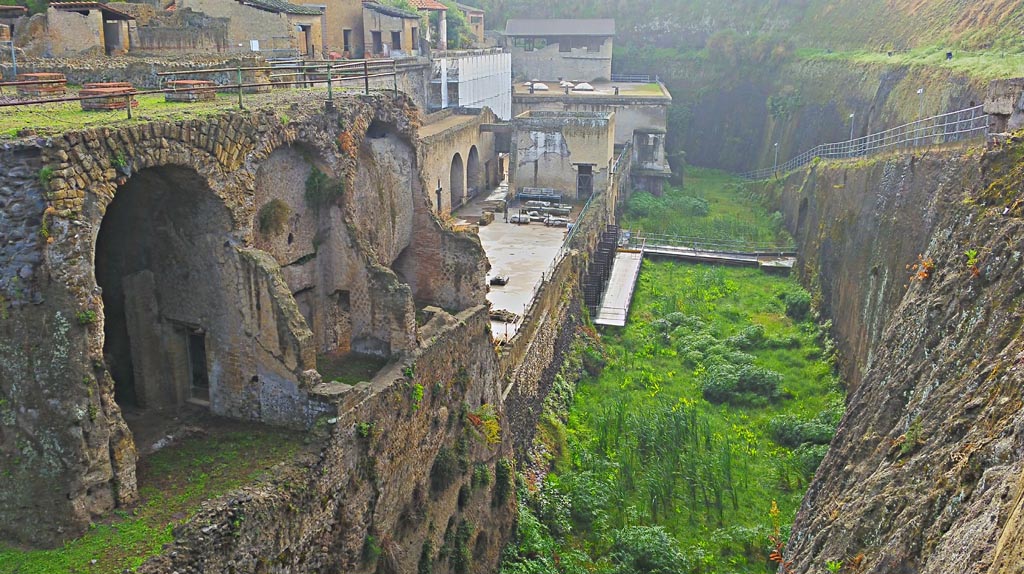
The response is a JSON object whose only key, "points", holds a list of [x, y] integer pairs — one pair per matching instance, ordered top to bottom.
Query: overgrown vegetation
{"points": [[322, 190], [712, 206], [273, 217], [657, 477], [172, 484]]}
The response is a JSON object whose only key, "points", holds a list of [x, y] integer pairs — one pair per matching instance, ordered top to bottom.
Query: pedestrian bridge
{"points": [[613, 310]]}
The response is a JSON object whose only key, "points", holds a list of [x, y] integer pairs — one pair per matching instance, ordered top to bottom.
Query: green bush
{"points": [[322, 190], [273, 217], [798, 304], [750, 338], [746, 385], [791, 432], [808, 457], [445, 470], [502, 482], [645, 550]]}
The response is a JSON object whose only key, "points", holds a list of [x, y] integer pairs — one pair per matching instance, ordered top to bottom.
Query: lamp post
{"points": [[920, 114], [851, 134], [775, 166]]}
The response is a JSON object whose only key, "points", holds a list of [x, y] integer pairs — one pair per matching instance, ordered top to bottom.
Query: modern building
{"points": [[573, 50], [473, 79]]}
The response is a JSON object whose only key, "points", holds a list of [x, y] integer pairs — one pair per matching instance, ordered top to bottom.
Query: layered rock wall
{"points": [[917, 261]]}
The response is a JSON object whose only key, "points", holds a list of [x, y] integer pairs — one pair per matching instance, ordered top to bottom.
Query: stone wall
{"points": [[273, 31], [71, 33], [140, 71], [631, 113], [464, 138], [550, 147], [529, 362], [64, 442], [925, 470]]}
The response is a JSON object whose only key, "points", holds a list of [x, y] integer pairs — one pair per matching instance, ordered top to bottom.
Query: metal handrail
{"points": [[950, 127]]}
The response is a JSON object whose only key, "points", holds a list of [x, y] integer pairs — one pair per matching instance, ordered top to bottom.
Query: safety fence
{"points": [[329, 74], [946, 128], [634, 239]]}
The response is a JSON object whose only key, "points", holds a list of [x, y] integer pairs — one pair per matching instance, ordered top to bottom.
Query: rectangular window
{"points": [[415, 39], [347, 40], [396, 40], [378, 42]]}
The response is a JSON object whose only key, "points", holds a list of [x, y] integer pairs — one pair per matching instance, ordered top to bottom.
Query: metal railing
{"points": [[327, 73], [631, 78], [951, 127], [634, 239]]}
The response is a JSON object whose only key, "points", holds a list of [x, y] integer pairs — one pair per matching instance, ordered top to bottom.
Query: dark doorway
{"points": [[396, 41], [378, 43], [474, 175], [584, 181], [457, 182], [161, 264], [200, 390]]}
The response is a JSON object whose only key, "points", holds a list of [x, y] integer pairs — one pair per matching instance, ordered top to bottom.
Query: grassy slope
{"points": [[173, 482]]}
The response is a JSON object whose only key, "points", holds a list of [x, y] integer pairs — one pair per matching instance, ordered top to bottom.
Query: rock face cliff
{"points": [[917, 260]]}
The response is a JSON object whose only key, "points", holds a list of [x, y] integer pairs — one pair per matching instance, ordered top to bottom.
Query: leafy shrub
{"points": [[322, 190], [691, 206], [273, 217], [798, 304], [750, 338], [745, 385], [791, 432], [808, 457], [445, 470], [502, 482], [371, 550], [645, 550], [426, 563]]}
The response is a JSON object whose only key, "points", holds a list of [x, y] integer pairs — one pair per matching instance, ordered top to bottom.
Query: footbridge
{"points": [[632, 247]]}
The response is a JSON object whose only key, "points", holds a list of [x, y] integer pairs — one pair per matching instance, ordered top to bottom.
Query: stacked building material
{"points": [[55, 84], [190, 91], [115, 96]]}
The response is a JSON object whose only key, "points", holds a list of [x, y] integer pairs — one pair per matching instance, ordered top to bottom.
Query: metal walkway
{"points": [[615, 304]]}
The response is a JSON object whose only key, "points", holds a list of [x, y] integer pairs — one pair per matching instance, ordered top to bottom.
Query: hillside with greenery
{"points": [[693, 432]]}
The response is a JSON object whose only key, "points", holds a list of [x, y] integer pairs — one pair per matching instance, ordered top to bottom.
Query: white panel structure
{"points": [[483, 79]]}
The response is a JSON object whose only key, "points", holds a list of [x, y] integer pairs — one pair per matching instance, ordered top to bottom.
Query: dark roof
{"points": [[282, 7], [390, 10], [9, 11], [108, 12], [560, 27]]}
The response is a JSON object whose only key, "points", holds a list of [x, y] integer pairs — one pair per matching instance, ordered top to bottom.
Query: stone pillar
{"points": [[442, 25], [444, 82]]}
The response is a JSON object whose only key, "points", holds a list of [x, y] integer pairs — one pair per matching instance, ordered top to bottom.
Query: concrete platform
{"points": [[614, 309]]}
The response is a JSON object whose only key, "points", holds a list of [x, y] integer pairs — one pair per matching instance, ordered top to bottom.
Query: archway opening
{"points": [[474, 173], [457, 181], [160, 257]]}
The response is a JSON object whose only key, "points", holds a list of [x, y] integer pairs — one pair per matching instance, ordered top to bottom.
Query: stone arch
{"points": [[474, 172], [457, 181], [159, 259]]}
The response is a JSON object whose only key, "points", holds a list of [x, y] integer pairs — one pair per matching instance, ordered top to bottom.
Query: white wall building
{"points": [[473, 79]]}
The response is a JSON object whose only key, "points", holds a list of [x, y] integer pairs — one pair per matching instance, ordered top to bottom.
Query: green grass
{"points": [[984, 65], [49, 119], [729, 212], [351, 368], [645, 448], [173, 482]]}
